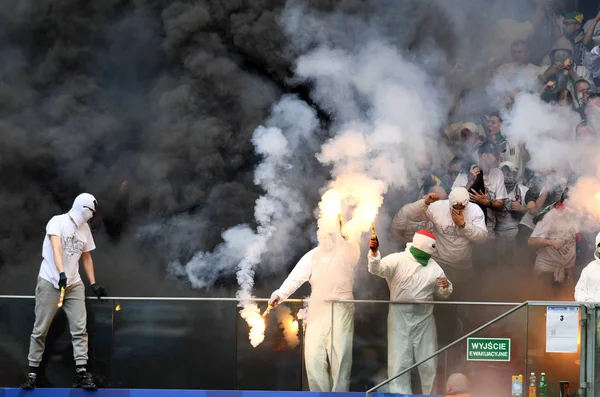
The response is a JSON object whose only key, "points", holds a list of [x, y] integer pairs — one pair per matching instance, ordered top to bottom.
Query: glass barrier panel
{"points": [[175, 344], [540, 358], [488, 360], [276, 363], [58, 367]]}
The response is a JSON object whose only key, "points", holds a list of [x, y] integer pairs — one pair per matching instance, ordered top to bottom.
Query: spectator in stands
{"points": [[573, 32], [591, 39], [561, 69], [519, 71], [582, 94], [564, 98], [470, 140], [506, 151], [455, 167], [426, 179], [494, 194], [507, 221], [457, 224], [404, 229], [555, 236]]}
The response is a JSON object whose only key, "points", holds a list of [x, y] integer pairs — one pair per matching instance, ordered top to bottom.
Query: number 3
{"points": [[562, 317]]}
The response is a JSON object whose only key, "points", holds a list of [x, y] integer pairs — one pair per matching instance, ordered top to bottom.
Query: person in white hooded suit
{"points": [[68, 239], [329, 268], [412, 275], [588, 286]]}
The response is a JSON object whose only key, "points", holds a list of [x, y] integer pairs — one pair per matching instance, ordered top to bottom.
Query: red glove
{"points": [[374, 245]]}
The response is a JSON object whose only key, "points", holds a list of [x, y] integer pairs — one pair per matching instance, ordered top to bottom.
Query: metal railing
{"points": [[587, 359]]}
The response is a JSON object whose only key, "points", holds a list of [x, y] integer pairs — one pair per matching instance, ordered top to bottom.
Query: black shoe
{"points": [[84, 380], [29, 383]]}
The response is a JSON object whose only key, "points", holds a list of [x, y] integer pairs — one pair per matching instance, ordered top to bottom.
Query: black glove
{"points": [[62, 280], [98, 290]]}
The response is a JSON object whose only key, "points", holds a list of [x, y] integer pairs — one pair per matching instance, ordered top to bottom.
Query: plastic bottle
{"points": [[532, 385], [517, 386], [543, 387]]}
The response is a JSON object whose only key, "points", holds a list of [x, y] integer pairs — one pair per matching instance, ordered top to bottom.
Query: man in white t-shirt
{"points": [[494, 194], [555, 236], [68, 239]]}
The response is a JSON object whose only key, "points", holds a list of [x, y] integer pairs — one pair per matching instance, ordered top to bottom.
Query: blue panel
{"points": [[13, 392]]}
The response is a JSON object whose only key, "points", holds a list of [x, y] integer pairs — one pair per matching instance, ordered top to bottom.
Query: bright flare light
{"points": [[331, 204], [256, 322], [289, 324]]}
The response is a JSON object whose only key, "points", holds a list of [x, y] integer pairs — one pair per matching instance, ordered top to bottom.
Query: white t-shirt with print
{"points": [[494, 190], [559, 226], [75, 241]]}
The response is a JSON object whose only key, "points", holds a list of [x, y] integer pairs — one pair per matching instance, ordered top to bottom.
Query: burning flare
{"points": [[62, 297], [269, 308], [256, 322], [289, 325]]}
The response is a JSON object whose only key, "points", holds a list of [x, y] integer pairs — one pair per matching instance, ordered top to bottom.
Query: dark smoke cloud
{"points": [[167, 95]]}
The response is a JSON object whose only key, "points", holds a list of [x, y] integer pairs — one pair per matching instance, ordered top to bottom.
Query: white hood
{"points": [[84, 208]]}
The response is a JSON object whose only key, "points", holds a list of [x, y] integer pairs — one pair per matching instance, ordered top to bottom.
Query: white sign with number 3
{"points": [[562, 329]]}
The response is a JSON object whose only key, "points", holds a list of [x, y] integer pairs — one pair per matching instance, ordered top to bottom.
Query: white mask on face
{"points": [[84, 208], [327, 240]]}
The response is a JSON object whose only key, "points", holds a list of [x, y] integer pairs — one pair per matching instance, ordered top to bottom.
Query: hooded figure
{"points": [[563, 50], [84, 208], [68, 240], [453, 242], [329, 268], [411, 275], [588, 286]]}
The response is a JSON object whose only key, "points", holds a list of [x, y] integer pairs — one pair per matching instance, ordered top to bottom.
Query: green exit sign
{"points": [[488, 349]]}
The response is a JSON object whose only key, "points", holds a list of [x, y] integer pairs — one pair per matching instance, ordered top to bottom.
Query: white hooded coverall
{"points": [[331, 277], [588, 286], [411, 327]]}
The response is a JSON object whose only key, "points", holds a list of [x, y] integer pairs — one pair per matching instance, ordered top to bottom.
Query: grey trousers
{"points": [[46, 306]]}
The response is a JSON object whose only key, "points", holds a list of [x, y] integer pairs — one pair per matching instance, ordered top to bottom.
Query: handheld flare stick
{"points": [[341, 222], [373, 234], [62, 297], [117, 305], [267, 311]]}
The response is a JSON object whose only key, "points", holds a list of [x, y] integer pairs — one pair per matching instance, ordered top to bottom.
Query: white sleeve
{"points": [[593, 61], [461, 180], [501, 193], [417, 211], [400, 220], [543, 227], [53, 228], [475, 229], [90, 245], [384, 268], [299, 275], [443, 293], [581, 294]]}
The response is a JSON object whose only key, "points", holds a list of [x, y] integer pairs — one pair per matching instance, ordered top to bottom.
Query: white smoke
{"points": [[384, 111], [547, 130], [277, 212]]}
